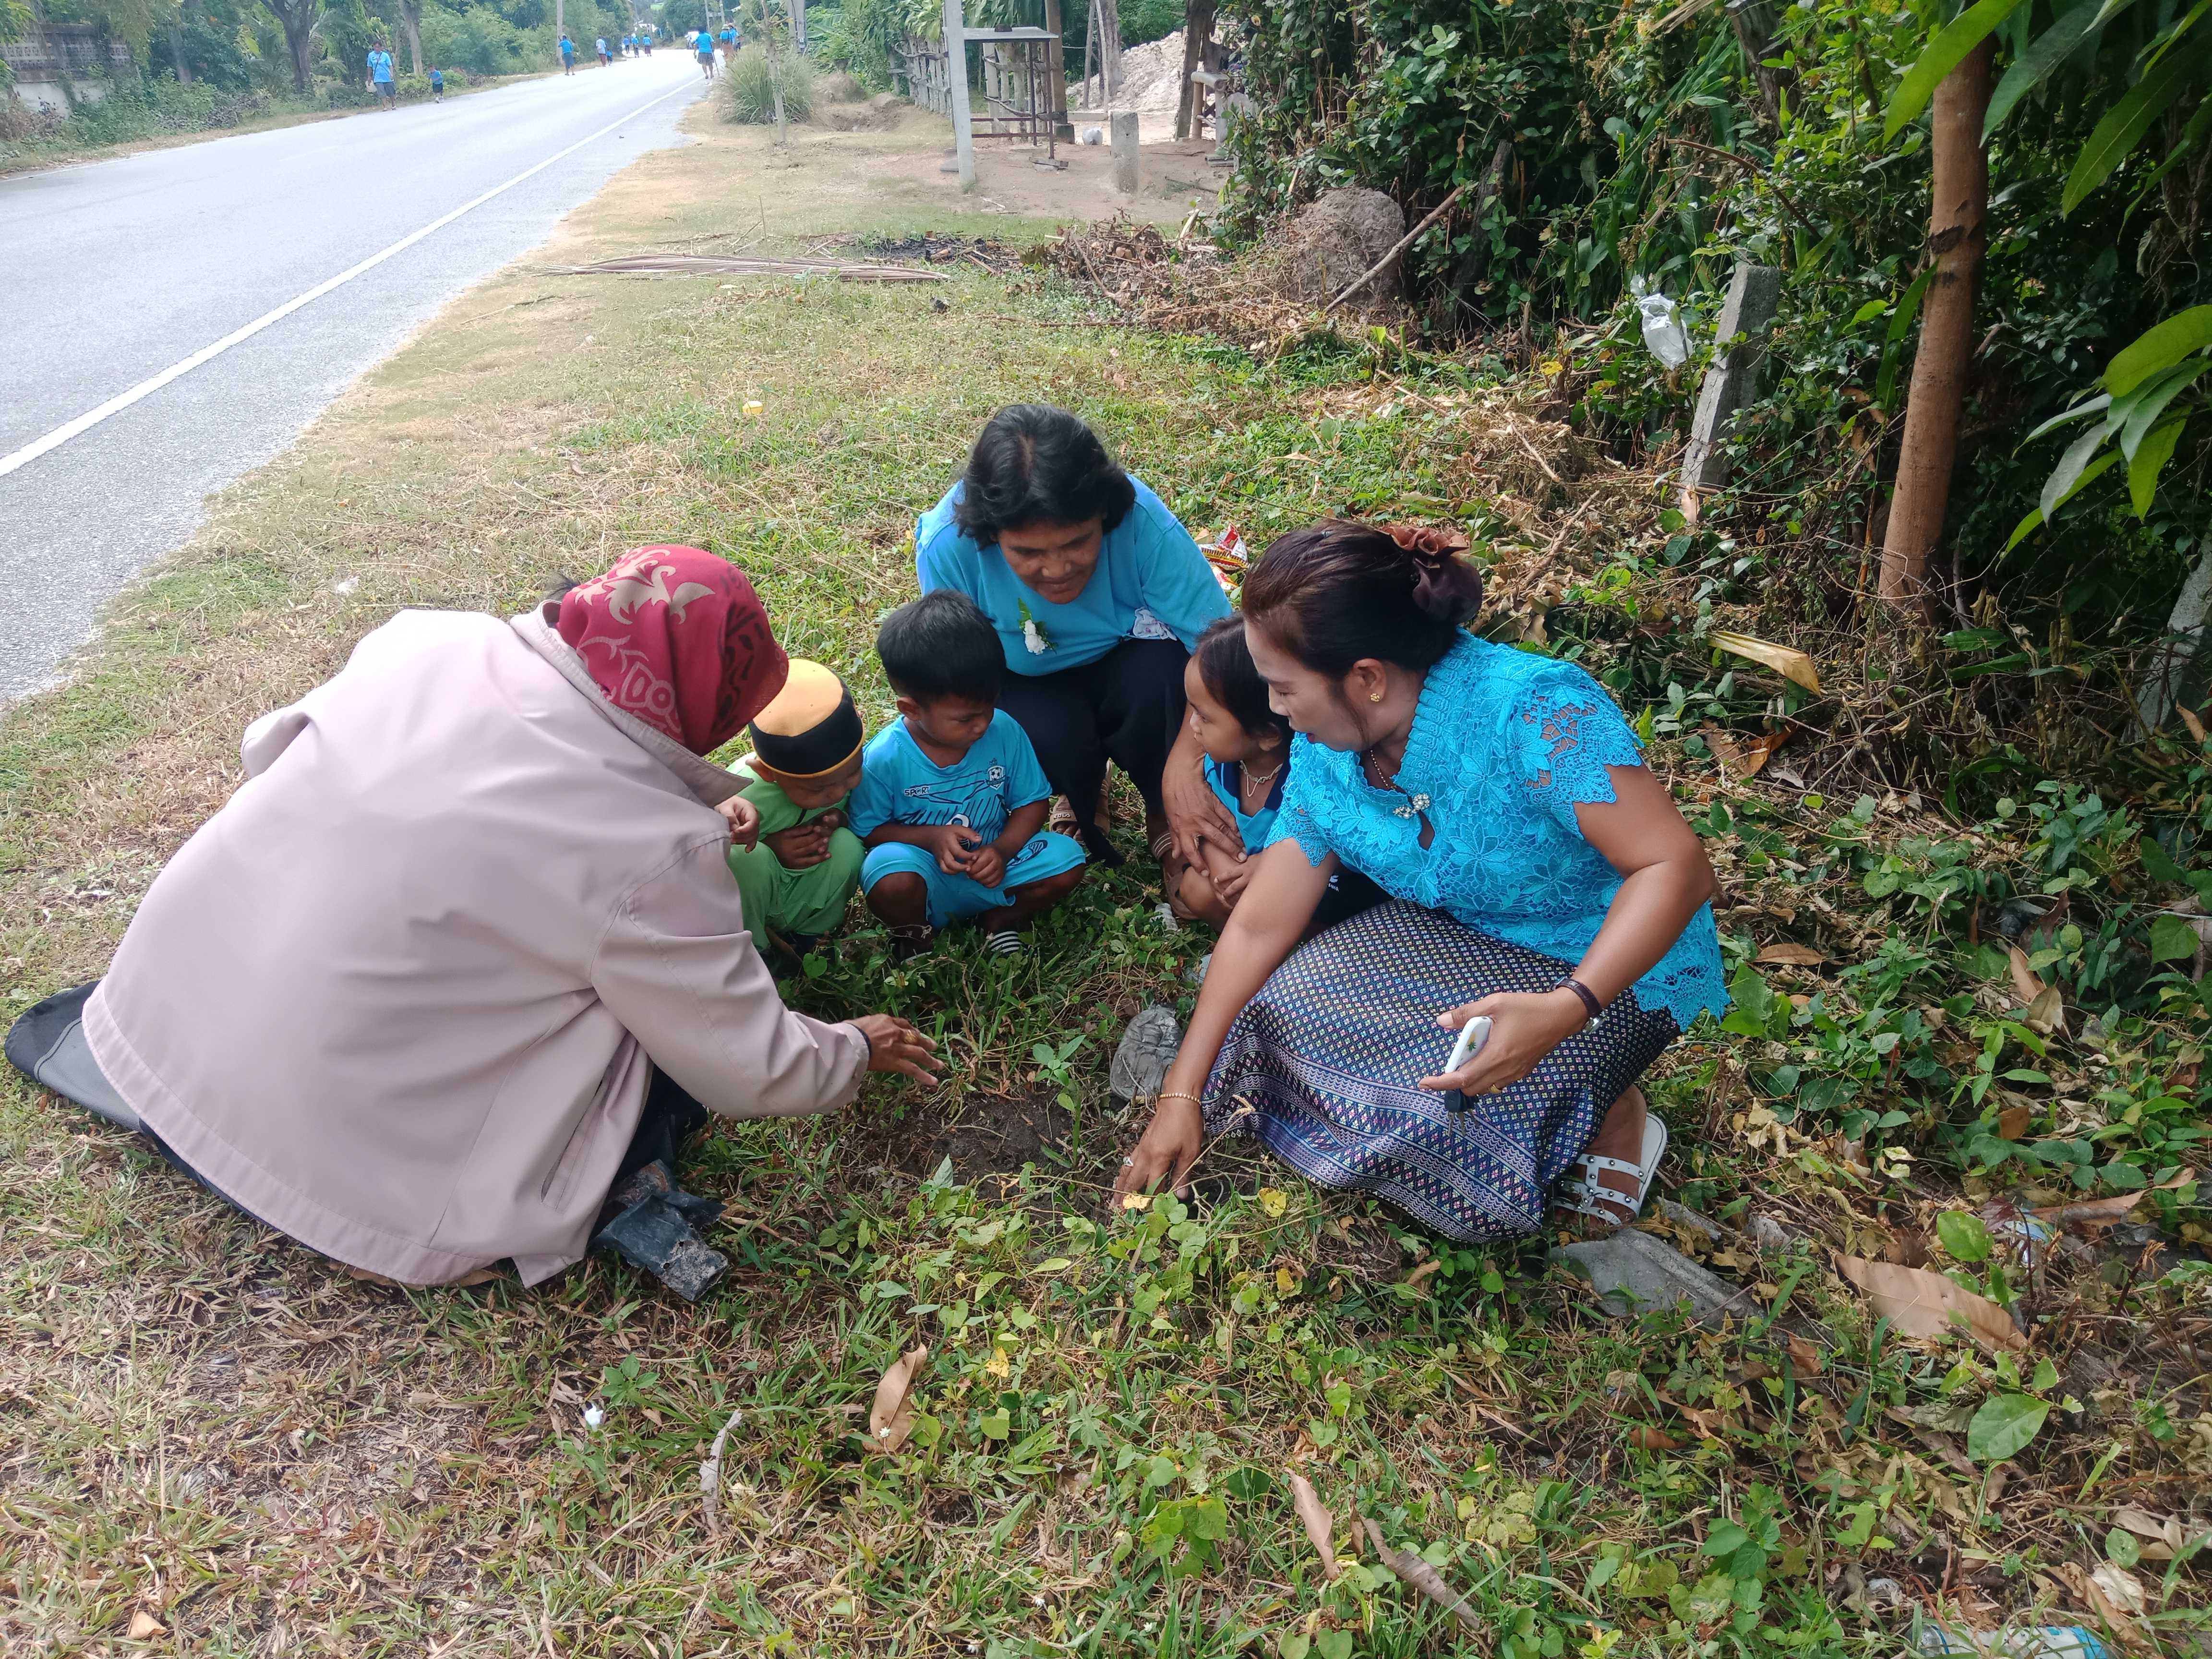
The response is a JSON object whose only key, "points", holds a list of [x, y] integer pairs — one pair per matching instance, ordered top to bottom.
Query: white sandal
{"points": [[1585, 1197]]}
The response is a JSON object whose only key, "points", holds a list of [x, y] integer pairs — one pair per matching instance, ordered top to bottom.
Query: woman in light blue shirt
{"points": [[1097, 593]]}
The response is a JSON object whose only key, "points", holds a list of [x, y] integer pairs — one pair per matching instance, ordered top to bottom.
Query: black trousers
{"points": [[1128, 707], [672, 1116]]}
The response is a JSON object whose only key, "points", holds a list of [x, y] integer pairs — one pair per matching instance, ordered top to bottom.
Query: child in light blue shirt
{"points": [[1248, 761], [951, 801]]}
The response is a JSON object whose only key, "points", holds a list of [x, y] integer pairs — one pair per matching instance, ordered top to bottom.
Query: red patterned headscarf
{"points": [[676, 637]]}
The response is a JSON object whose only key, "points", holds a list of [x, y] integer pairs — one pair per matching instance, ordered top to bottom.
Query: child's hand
{"points": [[743, 819], [952, 842], [802, 847], [987, 866], [1227, 875]]}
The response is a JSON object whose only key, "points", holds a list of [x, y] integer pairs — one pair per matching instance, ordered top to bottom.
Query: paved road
{"points": [[117, 271]]}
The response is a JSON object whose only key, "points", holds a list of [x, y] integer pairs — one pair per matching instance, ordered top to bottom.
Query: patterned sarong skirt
{"points": [[1329, 1056]]}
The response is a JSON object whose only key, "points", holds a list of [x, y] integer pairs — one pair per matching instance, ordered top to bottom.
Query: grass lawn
{"points": [[217, 1431]]}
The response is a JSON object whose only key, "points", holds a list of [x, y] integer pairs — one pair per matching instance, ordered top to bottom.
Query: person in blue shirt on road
{"points": [[730, 42], [703, 44], [567, 56], [603, 59], [379, 77], [437, 84], [1097, 595], [951, 801]]}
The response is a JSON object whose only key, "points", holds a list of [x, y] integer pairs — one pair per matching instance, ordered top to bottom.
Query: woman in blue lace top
{"points": [[1543, 879]]}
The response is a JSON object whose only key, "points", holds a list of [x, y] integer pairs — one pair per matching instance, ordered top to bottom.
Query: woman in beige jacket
{"points": [[401, 998]]}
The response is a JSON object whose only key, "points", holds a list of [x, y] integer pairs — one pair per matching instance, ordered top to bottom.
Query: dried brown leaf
{"points": [[1786, 660], [1725, 749], [1758, 752], [1798, 956], [2027, 983], [2047, 1012], [2013, 1121], [2103, 1211], [1907, 1248], [1921, 1303], [1804, 1358], [890, 1419], [1644, 1438], [710, 1477], [1320, 1524], [2144, 1524], [1424, 1578], [2123, 1594], [144, 1626]]}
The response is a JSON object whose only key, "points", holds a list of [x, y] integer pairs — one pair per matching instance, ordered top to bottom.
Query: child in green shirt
{"points": [[796, 880]]}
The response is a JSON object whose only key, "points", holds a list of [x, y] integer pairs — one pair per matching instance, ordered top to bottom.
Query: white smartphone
{"points": [[1472, 1037]]}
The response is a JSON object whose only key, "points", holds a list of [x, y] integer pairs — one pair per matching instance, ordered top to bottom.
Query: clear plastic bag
{"points": [[1662, 325]]}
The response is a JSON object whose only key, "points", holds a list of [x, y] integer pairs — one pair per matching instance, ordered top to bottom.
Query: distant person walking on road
{"points": [[729, 42], [648, 43], [704, 43], [567, 56], [603, 59], [379, 77], [437, 85]]}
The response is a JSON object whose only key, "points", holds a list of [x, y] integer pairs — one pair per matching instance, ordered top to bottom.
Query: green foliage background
{"points": [[1640, 150]]}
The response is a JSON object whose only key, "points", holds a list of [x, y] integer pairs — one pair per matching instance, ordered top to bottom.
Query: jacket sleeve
{"points": [[270, 737], [677, 968]]}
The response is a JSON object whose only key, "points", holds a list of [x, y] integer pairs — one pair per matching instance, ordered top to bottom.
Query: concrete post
{"points": [[956, 73], [1125, 149], [1733, 381], [2176, 676]]}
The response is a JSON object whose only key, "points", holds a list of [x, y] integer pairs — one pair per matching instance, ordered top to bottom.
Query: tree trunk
{"points": [[297, 19], [411, 19], [1197, 30], [1755, 32], [177, 56], [774, 78], [1958, 232], [1478, 253]]}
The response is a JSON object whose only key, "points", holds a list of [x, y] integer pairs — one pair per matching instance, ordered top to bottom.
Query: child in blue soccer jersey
{"points": [[951, 801]]}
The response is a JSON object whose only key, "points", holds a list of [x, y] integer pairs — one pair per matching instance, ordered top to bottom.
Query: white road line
{"points": [[147, 388]]}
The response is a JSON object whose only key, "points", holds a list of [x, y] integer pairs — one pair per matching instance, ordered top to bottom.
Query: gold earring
{"points": [[1375, 696]]}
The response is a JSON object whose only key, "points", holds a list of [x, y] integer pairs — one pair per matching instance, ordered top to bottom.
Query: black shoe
{"points": [[654, 1231]]}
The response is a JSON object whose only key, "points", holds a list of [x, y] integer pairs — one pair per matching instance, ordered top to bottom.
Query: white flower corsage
{"points": [[1033, 634]]}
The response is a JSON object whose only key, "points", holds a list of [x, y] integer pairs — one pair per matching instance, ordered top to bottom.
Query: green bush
{"points": [[481, 41], [747, 97]]}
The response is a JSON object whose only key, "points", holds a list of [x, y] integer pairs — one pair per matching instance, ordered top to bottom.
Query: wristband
{"points": [[1588, 997]]}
